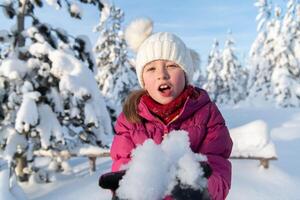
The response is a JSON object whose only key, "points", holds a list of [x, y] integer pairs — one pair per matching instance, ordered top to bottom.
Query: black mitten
{"points": [[206, 169], [111, 180], [181, 192]]}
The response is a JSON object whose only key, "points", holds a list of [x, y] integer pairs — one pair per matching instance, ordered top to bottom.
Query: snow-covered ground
{"points": [[280, 181]]}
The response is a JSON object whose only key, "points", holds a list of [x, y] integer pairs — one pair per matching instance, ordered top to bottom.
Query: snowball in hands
{"points": [[155, 169]]}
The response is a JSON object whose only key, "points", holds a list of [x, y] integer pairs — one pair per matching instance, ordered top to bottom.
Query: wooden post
{"points": [[92, 163], [264, 163]]}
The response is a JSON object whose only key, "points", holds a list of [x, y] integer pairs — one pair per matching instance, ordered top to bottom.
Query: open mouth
{"points": [[164, 89]]}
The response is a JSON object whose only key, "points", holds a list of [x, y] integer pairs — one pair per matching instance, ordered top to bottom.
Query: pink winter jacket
{"points": [[207, 131]]}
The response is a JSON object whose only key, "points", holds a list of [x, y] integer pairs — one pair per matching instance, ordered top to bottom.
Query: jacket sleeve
{"points": [[122, 144], [217, 147]]}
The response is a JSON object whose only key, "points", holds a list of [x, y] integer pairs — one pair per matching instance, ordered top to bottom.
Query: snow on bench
{"points": [[252, 141]]}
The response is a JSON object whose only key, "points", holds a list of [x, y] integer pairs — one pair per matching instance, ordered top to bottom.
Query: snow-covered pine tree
{"points": [[262, 18], [296, 47], [277, 72], [116, 76], [234, 77], [285, 77], [214, 82], [259, 87], [51, 100]]}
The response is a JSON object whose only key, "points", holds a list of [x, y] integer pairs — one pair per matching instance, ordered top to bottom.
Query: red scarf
{"points": [[167, 112]]}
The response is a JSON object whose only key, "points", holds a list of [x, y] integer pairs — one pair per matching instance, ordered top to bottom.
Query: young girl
{"points": [[168, 101]]}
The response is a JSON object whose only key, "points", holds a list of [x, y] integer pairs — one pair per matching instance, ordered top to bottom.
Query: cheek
{"points": [[180, 79], [148, 82]]}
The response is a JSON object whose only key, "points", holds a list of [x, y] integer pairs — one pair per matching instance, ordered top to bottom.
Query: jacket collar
{"points": [[189, 107]]}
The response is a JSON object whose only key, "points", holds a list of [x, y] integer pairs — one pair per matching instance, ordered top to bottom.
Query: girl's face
{"points": [[164, 80]]}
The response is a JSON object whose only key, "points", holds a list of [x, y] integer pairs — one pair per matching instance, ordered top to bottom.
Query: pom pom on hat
{"points": [[137, 31]]}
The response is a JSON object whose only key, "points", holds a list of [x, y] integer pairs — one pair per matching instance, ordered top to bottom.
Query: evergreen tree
{"points": [[264, 14], [296, 45], [286, 73], [116, 77], [234, 77], [275, 77], [214, 82], [259, 86], [50, 100]]}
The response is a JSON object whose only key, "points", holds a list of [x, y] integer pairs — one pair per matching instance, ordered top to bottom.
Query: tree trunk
{"points": [[21, 24]]}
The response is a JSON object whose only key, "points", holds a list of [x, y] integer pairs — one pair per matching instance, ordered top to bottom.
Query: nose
{"points": [[163, 74]]}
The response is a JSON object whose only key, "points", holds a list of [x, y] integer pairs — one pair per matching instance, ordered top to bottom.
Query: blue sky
{"points": [[197, 22]]}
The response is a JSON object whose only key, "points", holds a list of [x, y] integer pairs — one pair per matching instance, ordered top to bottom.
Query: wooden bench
{"points": [[252, 142], [65, 155], [263, 161]]}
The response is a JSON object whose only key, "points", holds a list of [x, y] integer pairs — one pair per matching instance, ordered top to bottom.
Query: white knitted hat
{"points": [[161, 45]]}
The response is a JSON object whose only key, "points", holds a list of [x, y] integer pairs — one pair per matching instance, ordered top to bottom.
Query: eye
{"points": [[172, 66], [149, 69]]}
